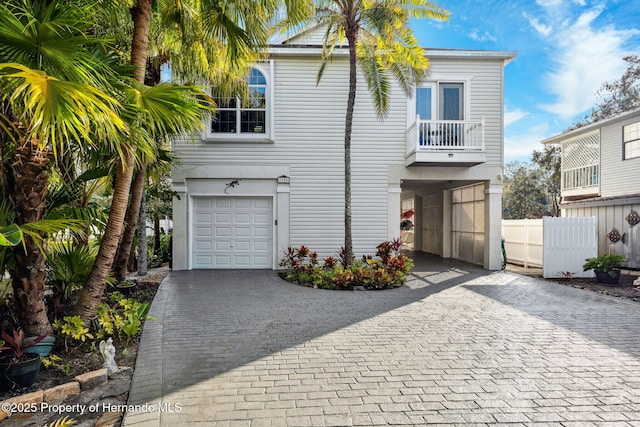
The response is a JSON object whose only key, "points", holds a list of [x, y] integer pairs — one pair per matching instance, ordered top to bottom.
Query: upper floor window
{"points": [[444, 101], [243, 117], [631, 140]]}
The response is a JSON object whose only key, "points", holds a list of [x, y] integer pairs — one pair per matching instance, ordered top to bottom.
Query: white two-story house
{"points": [[600, 164], [268, 173]]}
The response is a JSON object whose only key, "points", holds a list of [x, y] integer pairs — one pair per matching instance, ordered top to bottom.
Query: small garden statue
{"points": [[109, 354]]}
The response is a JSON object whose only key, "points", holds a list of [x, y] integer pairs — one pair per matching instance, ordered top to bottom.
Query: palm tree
{"points": [[380, 41], [51, 97]]}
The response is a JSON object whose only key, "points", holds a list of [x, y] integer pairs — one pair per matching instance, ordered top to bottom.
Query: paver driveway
{"points": [[459, 346]]}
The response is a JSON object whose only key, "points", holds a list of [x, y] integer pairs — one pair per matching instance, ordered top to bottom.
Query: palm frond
{"points": [[58, 112]]}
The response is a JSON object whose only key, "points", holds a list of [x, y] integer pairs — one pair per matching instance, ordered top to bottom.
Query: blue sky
{"points": [[566, 50]]}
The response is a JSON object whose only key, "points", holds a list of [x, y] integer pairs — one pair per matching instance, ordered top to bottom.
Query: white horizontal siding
{"points": [[309, 140], [617, 173]]}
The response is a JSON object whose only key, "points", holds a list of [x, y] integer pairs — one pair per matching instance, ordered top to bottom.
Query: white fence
{"points": [[523, 241], [558, 245]]}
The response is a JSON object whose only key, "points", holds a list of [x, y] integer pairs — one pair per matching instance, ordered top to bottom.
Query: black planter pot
{"points": [[605, 277], [127, 289], [19, 374]]}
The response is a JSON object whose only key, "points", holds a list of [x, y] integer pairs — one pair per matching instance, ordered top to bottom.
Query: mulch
{"points": [[624, 289]]}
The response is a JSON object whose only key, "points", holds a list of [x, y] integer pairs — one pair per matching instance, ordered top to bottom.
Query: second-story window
{"points": [[243, 116], [631, 140]]}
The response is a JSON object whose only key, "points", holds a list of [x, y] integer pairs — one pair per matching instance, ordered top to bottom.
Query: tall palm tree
{"points": [[380, 41], [52, 97]]}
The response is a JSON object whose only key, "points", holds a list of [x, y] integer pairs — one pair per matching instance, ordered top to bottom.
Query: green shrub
{"points": [[605, 263], [69, 266], [388, 269], [123, 317]]}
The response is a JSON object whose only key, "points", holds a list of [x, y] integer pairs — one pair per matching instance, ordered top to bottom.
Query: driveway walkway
{"points": [[459, 346]]}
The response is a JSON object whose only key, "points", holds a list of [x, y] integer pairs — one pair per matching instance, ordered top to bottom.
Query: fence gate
{"points": [[567, 242]]}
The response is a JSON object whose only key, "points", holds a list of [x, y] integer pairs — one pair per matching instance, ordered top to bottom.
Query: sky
{"points": [[566, 50]]}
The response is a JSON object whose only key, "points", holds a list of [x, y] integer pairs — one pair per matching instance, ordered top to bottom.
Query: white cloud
{"points": [[545, 30], [475, 35], [585, 57], [511, 117], [519, 147]]}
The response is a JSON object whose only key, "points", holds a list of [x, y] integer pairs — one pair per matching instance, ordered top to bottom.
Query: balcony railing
{"points": [[446, 136], [580, 181]]}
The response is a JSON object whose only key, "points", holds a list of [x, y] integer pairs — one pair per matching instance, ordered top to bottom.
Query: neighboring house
{"points": [[600, 167], [269, 173]]}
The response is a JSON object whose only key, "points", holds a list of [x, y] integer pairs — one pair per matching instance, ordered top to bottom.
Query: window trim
{"points": [[267, 70], [635, 140]]}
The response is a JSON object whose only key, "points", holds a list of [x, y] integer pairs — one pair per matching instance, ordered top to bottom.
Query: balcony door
{"points": [[451, 101]]}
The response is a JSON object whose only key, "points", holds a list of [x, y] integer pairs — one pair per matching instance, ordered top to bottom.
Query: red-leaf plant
{"points": [[15, 344]]}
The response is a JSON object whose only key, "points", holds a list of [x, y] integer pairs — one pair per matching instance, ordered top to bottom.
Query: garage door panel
{"points": [[203, 203], [222, 203], [243, 203], [262, 204], [204, 218], [222, 218], [242, 218], [262, 218], [203, 232], [223, 232], [238, 232], [242, 232], [263, 232], [203, 245], [222, 245], [242, 245], [261, 246], [222, 261], [242, 261]]}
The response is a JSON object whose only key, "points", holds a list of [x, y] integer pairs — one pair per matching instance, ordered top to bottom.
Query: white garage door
{"points": [[232, 232]]}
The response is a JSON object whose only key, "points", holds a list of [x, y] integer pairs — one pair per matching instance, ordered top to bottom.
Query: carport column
{"points": [[394, 207], [282, 218], [446, 224], [492, 226], [180, 254]]}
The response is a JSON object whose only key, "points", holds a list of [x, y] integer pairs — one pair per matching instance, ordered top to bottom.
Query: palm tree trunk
{"points": [[351, 101], [28, 178], [131, 221], [143, 258], [94, 287]]}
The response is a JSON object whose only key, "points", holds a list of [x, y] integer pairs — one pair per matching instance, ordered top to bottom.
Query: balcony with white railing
{"points": [[445, 143], [581, 166]]}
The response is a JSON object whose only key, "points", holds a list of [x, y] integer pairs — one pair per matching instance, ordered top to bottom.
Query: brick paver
{"points": [[461, 346]]}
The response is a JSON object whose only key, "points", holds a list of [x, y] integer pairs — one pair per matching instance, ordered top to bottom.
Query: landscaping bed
{"points": [[624, 289], [86, 357]]}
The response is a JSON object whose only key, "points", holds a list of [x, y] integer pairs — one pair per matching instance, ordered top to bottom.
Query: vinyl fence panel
{"points": [[523, 241], [567, 243]]}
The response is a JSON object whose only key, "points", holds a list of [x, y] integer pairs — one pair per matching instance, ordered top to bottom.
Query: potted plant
{"points": [[606, 267], [42, 347], [17, 367]]}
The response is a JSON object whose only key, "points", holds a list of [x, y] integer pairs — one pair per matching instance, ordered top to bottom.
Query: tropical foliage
{"points": [[388, 269]]}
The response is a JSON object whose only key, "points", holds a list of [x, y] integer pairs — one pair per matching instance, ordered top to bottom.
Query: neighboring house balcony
{"points": [[445, 143], [580, 166], [580, 182]]}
